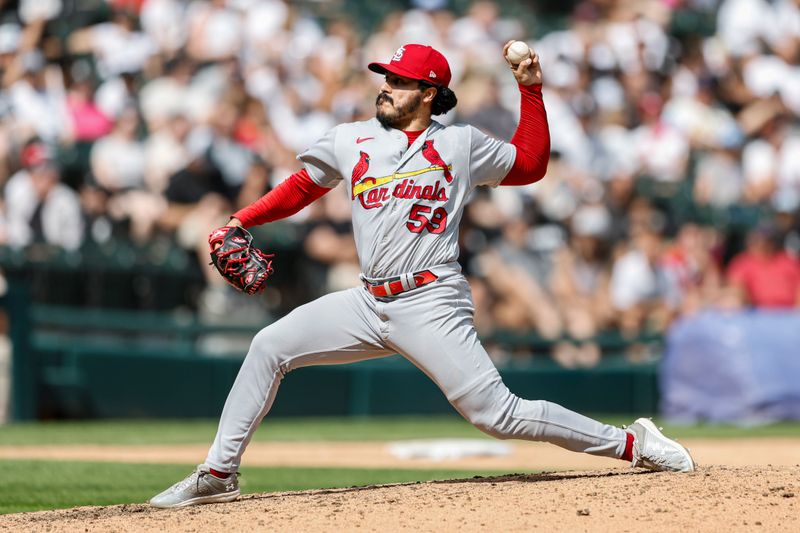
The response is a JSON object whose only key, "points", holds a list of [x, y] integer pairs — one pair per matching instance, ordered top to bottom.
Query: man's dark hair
{"points": [[444, 101]]}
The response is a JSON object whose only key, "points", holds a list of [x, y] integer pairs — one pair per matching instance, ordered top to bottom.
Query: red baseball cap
{"points": [[418, 62], [36, 154]]}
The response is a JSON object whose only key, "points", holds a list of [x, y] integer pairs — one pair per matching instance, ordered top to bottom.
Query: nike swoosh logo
{"points": [[362, 139]]}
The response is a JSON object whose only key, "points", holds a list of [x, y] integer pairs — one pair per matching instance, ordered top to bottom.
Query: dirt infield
{"points": [[733, 490], [715, 498]]}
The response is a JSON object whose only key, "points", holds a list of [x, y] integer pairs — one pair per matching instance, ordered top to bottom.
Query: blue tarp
{"points": [[733, 367]]}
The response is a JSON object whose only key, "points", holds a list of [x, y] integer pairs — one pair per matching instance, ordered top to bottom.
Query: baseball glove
{"points": [[243, 266]]}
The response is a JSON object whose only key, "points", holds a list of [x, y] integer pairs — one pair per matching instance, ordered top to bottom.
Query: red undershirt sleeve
{"points": [[532, 139], [292, 195]]}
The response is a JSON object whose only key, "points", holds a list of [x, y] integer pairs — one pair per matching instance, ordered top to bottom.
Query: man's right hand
{"points": [[529, 71]]}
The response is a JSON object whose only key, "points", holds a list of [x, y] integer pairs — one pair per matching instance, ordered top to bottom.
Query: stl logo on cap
{"points": [[418, 62]]}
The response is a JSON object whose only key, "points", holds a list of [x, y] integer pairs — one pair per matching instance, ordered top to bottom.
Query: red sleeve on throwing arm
{"points": [[532, 139], [292, 195]]}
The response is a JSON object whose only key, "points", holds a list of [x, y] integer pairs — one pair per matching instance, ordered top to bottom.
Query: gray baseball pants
{"points": [[431, 326]]}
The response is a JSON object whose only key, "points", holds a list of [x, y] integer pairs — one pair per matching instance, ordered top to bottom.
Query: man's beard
{"points": [[396, 115]]}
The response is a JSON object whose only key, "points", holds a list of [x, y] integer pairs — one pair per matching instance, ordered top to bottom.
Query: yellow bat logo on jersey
{"points": [[370, 183]]}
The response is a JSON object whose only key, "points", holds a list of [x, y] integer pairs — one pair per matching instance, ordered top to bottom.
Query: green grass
{"points": [[311, 429], [202, 431], [35, 485], [39, 485]]}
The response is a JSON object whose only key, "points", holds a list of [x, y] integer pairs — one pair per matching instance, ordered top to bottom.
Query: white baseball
{"points": [[518, 52]]}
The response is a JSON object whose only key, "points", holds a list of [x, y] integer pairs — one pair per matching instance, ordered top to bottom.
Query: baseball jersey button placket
{"points": [[392, 208]]}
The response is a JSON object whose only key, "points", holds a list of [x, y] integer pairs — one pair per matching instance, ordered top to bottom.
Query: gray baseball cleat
{"points": [[652, 450], [199, 487]]}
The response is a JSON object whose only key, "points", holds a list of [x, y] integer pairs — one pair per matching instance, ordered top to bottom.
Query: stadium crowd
{"points": [[674, 181]]}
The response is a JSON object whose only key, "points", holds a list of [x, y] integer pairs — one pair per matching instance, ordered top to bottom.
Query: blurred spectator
{"points": [[37, 11], [159, 21], [214, 31], [481, 31], [116, 45], [117, 94], [167, 95], [37, 99], [479, 104], [701, 118], [88, 122], [662, 150], [166, 152], [117, 160], [118, 166], [771, 168], [243, 172], [718, 178], [198, 189], [40, 208], [330, 242], [517, 270], [691, 272], [764, 275], [580, 284], [637, 284]]}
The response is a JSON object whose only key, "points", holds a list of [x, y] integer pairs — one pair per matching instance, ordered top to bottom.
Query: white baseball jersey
{"points": [[407, 200]]}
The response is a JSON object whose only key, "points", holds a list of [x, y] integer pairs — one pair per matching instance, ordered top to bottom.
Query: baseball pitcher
{"points": [[408, 178]]}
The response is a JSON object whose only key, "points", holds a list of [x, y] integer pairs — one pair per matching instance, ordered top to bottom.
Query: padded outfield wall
{"points": [[60, 376]]}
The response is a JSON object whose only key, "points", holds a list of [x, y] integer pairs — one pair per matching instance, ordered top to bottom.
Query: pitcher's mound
{"points": [[714, 498]]}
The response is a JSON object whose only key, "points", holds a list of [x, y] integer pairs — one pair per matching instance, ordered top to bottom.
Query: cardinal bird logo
{"points": [[433, 157], [359, 170], [358, 177]]}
